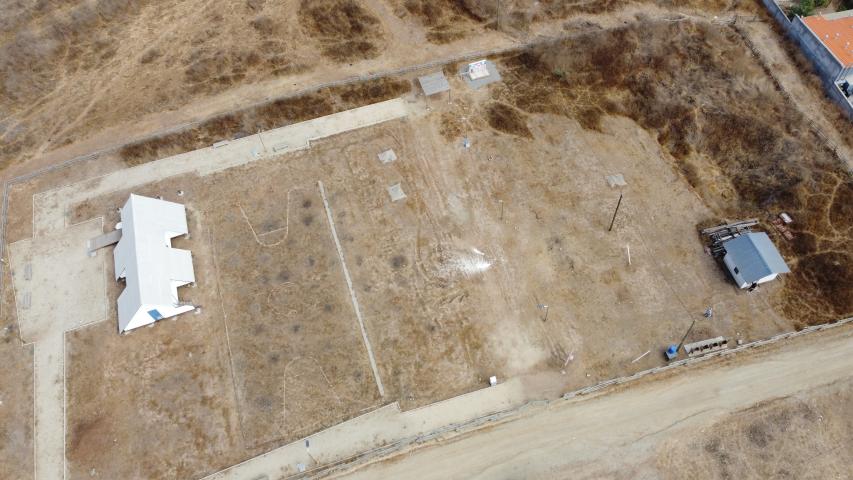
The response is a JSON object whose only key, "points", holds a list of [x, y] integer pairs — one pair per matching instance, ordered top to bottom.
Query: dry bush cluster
{"points": [[555, 9], [449, 20], [345, 29], [43, 41], [715, 112], [265, 117], [507, 119], [791, 437]]}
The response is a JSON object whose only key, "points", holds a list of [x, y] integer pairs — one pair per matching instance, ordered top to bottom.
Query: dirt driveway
{"points": [[616, 435]]}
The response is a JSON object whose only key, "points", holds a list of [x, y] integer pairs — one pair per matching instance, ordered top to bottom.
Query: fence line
{"points": [[813, 127], [702, 358]]}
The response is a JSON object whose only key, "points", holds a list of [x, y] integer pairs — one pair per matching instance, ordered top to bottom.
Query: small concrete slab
{"points": [[494, 76], [387, 156], [616, 180], [396, 192], [101, 241], [65, 288]]}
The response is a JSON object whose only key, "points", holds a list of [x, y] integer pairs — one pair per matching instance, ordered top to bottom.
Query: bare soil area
{"points": [[741, 147], [498, 261]]}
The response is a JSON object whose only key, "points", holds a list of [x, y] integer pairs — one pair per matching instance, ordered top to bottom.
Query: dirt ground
{"points": [[498, 261], [452, 280], [780, 411], [802, 436]]}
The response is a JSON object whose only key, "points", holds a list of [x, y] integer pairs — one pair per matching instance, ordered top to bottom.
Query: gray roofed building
{"points": [[434, 83], [752, 258]]}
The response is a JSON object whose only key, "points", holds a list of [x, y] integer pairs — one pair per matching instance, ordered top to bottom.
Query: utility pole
{"points": [[262, 142], [618, 204], [709, 313]]}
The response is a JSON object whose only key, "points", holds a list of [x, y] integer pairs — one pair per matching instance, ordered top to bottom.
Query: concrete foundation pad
{"points": [[56, 273]]}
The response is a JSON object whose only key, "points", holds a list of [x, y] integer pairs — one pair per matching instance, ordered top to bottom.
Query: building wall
{"points": [[777, 13], [824, 62]]}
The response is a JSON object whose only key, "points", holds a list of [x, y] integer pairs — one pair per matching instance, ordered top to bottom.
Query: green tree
{"points": [[803, 9]]}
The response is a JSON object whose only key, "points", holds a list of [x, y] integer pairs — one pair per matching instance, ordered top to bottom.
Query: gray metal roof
{"points": [[434, 83], [755, 256]]}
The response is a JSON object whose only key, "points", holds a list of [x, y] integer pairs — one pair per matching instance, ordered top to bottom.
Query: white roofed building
{"points": [[478, 69], [152, 269]]}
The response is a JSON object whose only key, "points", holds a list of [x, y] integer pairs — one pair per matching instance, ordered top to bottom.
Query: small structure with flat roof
{"points": [[835, 33], [827, 41], [480, 73], [434, 83], [751, 258], [151, 268]]}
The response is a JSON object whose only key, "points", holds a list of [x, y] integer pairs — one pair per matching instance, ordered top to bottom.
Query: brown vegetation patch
{"points": [[554, 9], [449, 20], [345, 30], [713, 110], [265, 117], [507, 119], [450, 127]]}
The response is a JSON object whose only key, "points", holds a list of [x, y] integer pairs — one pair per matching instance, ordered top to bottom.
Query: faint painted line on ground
{"points": [[351, 291]]}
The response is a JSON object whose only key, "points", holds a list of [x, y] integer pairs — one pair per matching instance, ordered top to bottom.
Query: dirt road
{"points": [[616, 434]]}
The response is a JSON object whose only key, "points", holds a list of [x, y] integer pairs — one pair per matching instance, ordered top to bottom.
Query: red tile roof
{"points": [[836, 32]]}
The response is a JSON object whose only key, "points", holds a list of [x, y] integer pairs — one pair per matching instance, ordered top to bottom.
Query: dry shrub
{"points": [[555, 9], [449, 20], [264, 25], [345, 30], [73, 33], [149, 56], [372, 91], [712, 109], [291, 110], [271, 115], [507, 119], [451, 126]]}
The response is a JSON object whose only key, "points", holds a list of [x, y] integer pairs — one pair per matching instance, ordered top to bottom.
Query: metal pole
{"points": [[262, 142], [618, 204], [709, 313], [685, 336]]}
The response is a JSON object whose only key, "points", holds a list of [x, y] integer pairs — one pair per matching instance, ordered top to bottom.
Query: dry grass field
{"points": [[71, 69], [453, 281], [803, 436]]}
